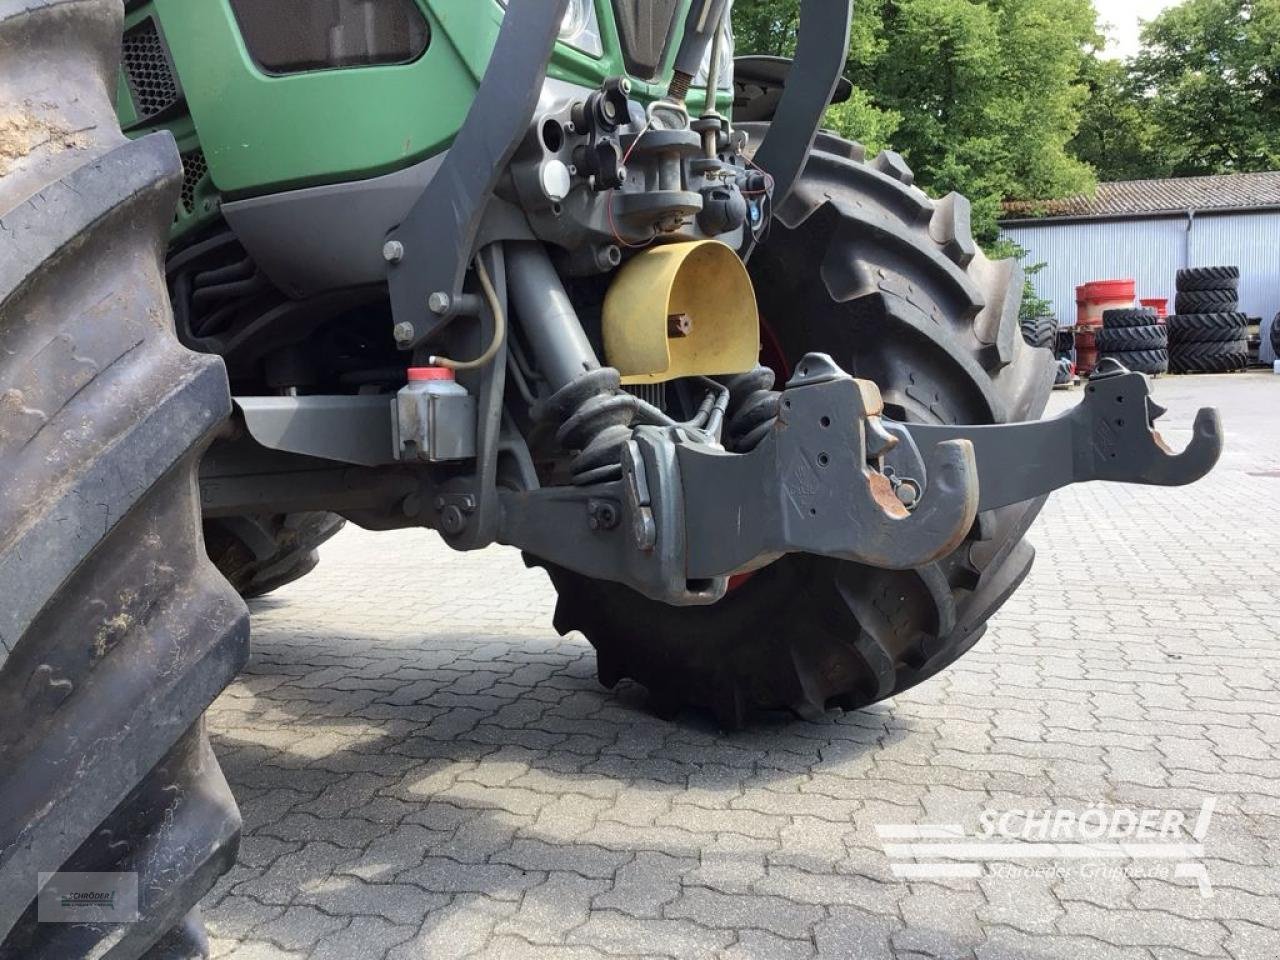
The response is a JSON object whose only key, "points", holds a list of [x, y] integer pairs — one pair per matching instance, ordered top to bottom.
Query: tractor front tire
{"points": [[860, 264], [262, 553], [116, 632]]}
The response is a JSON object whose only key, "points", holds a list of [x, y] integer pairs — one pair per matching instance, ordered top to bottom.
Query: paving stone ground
{"points": [[426, 770]]}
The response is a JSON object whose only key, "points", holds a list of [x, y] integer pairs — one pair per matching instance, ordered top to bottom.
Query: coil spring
{"points": [[753, 408], [595, 421]]}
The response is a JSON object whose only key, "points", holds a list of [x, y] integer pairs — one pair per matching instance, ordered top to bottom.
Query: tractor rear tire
{"points": [[860, 264], [1208, 278], [1207, 301], [1129, 317], [1207, 327], [1041, 332], [1116, 339], [1222, 357], [1153, 361], [259, 554], [116, 632]]}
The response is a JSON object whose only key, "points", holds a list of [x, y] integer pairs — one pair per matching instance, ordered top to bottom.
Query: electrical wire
{"points": [[608, 203], [499, 327]]}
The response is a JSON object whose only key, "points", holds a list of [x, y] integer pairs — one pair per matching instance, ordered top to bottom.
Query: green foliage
{"points": [[766, 27], [1214, 69], [1203, 95], [980, 96], [860, 119], [1119, 137], [1033, 305]]}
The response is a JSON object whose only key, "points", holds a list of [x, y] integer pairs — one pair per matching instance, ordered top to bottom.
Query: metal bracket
{"points": [[821, 51], [428, 253], [348, 429], [1110, 435], [814, 485], [692, 514]]}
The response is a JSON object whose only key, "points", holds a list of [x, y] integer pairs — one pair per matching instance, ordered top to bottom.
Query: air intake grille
{"points": [[152, 82], [194, 170]]}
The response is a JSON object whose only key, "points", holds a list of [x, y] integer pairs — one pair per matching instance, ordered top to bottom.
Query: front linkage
{"points": [[655, 503], [685, 516]]}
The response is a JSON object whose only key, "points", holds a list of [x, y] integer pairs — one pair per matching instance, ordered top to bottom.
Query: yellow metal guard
{"points": [[680, 310]]}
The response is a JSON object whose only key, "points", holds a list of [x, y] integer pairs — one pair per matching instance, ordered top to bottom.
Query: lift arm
{"points": [[1110, 435]]}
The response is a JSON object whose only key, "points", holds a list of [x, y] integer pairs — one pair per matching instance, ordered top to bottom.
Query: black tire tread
{"points": [[1208, 278], [1207, 301], [1129, 317], [1207, 327], [1040, 332], [1117, 339], [1213, 357], [1141, 361], [115, 632]]}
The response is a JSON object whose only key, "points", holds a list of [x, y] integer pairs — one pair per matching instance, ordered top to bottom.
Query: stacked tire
{"points": [[1208, 334], [1136, 338]]}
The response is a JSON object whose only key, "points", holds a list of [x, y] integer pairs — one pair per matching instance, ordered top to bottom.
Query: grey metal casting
{"points": [[345, 428], [1110, 435]]}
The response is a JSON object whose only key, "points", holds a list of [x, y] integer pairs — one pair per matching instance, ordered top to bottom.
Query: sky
{"points": [[1120, 19]]}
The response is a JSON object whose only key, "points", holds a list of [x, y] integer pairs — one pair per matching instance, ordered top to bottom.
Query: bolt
{"points": [[625, 85], [393, 251], [439, 302], [403, 332], [908, 492], [602, 515], [608, 516], [452, 520]]}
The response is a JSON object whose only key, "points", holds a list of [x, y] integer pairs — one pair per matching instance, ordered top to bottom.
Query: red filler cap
{"points": [[419, 374]]}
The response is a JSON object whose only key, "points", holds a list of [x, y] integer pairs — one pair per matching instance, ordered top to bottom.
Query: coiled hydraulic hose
{"points": [[754, 405]]}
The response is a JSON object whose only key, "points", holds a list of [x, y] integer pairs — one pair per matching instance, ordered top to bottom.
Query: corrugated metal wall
{"points": [[1250, 241], [1151, 251]]}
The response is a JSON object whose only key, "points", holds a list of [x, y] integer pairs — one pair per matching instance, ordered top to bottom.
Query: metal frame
{"points": [[821, 50], [428, 254]]}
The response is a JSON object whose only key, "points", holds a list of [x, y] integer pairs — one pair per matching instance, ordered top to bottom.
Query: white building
{"points": [[1148, 230]]}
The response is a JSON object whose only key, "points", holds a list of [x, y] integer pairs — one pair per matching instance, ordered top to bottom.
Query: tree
{"points": [[766, 27], [1210, 70], [980, 96], [1119, 135]]}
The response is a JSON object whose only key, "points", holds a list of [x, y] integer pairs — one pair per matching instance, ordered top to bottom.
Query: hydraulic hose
{"points": [[499, 327]]}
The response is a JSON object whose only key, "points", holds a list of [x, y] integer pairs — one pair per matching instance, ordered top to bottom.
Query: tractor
{"points": [[555, 274]]}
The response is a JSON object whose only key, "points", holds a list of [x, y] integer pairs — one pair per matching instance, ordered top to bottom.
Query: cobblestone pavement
{"points": [[427, 771]]}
